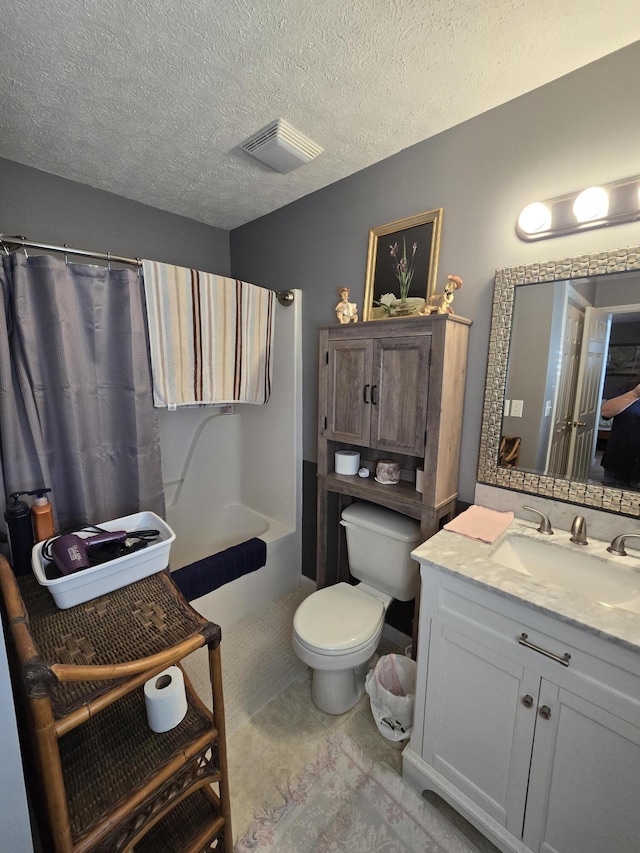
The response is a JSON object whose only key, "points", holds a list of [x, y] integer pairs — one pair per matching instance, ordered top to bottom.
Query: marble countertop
{"points": [[470, 559]]}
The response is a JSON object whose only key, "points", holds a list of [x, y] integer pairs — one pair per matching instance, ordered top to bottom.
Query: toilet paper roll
{"points": [[347, 461], [419, 480], [165, 699]]}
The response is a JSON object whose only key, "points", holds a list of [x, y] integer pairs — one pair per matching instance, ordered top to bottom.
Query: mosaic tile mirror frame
{"points": [[583, 493]]}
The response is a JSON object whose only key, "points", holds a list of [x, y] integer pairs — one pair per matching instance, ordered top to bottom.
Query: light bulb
{"points": [[591, 204], [535, 217]]}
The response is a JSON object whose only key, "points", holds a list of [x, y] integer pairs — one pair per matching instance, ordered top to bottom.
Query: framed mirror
{"points": [[541, 430]]}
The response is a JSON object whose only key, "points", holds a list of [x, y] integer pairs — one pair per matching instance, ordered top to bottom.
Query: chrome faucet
{"points": [[545, 524], [579, 531], [617, 544]]}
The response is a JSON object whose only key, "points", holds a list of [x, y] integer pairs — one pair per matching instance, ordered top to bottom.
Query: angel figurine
{"points": [[346, 311]]}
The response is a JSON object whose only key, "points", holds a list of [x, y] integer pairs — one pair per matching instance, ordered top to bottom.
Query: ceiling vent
{"points": [[281, 146]]}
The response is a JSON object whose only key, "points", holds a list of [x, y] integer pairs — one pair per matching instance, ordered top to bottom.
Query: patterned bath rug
{"points": [[346, 803]]}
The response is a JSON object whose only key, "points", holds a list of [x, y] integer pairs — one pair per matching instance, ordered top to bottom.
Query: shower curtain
{"points": [[76, 411]]}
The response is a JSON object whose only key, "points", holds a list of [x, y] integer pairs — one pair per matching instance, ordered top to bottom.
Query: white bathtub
{"points": [[230, 525], [233, 525]]}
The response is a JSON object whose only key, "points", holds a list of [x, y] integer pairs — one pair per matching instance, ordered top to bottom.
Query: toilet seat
{"points": [[338, 620]]}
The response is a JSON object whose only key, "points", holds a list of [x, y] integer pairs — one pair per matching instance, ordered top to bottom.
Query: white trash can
{"points": [[391, 686]]}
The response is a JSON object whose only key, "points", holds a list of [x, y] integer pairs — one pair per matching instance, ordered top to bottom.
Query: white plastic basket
{"points": [[90, 583]]}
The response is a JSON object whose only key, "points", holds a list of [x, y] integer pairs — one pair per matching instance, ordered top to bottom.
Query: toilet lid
{"points": [[338, 618]]}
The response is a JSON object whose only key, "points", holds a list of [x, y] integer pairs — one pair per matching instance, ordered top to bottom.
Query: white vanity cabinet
{"points": [[535, 739]]}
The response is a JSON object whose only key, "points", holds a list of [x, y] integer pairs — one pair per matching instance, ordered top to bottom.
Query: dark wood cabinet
{"points": [[392, 389], [377, 394], [348, 405]]}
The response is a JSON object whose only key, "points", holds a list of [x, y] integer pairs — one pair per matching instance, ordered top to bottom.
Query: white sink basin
{"points": [[607, 580]]}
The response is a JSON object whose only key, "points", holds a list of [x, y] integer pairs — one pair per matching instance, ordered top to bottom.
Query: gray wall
{"points": [[575, 132], [48, 209], [529, 355], [14, 813]]}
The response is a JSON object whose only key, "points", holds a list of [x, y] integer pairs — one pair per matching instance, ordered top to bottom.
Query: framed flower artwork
{"points": [[402, 266]]}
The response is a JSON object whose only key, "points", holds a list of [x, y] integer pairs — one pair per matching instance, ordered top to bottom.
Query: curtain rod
{"points": [[12, 243], [284, 297]]}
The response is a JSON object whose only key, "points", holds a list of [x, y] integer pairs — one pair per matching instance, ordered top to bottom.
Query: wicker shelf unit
{"points": [[103, 780]]}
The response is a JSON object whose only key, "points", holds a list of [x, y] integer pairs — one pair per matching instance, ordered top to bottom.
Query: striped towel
{"points": [[210, 337]]}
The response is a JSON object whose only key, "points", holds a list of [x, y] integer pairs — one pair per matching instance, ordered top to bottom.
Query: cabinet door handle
{"points": [[365, 395], [374, 395], [563, 661], [527, 701], [545, 712]]}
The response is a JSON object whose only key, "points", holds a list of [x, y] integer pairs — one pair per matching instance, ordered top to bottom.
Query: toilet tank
{"points": [[379, 544]]}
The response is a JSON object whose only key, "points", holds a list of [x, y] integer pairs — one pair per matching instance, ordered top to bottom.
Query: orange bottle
{"points": [[41, 515]]}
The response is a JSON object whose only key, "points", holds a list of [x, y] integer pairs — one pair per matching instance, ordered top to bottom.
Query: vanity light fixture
{"points": [[591, 204], [595, 207], [534, 218]]}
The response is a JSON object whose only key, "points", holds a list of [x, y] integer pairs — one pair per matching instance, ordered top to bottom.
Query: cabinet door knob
{"points": [[365, 395], [374, 395], [527, 701], [545, 712]]}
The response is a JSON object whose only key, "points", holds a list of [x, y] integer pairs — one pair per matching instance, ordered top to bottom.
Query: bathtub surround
{"points": [[210, 337], [229, 478]]}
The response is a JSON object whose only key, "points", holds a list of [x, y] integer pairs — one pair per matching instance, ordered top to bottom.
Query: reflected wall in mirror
{"points": [[565, 334]]}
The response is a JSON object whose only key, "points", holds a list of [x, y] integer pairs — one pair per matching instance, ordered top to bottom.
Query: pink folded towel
{"points": [[481, 523]]}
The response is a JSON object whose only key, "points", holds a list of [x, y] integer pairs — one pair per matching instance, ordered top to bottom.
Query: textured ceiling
{"points": [[150, 99]]}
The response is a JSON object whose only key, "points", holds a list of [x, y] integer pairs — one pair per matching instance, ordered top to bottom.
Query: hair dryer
{"points": [[71, 552]]}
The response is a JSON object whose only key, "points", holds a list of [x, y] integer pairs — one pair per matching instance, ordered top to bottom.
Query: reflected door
{"points": [[589, 393], [560, 443]]}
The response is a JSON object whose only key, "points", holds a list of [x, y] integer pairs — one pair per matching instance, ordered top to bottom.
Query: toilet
{"points": [[336, 630]]}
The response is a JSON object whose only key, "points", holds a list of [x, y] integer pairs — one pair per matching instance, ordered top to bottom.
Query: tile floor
{"points": [[273, 728], [282, 738]]}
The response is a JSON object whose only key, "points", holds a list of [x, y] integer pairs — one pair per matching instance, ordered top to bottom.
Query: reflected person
{"points": [[621, 458]]}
